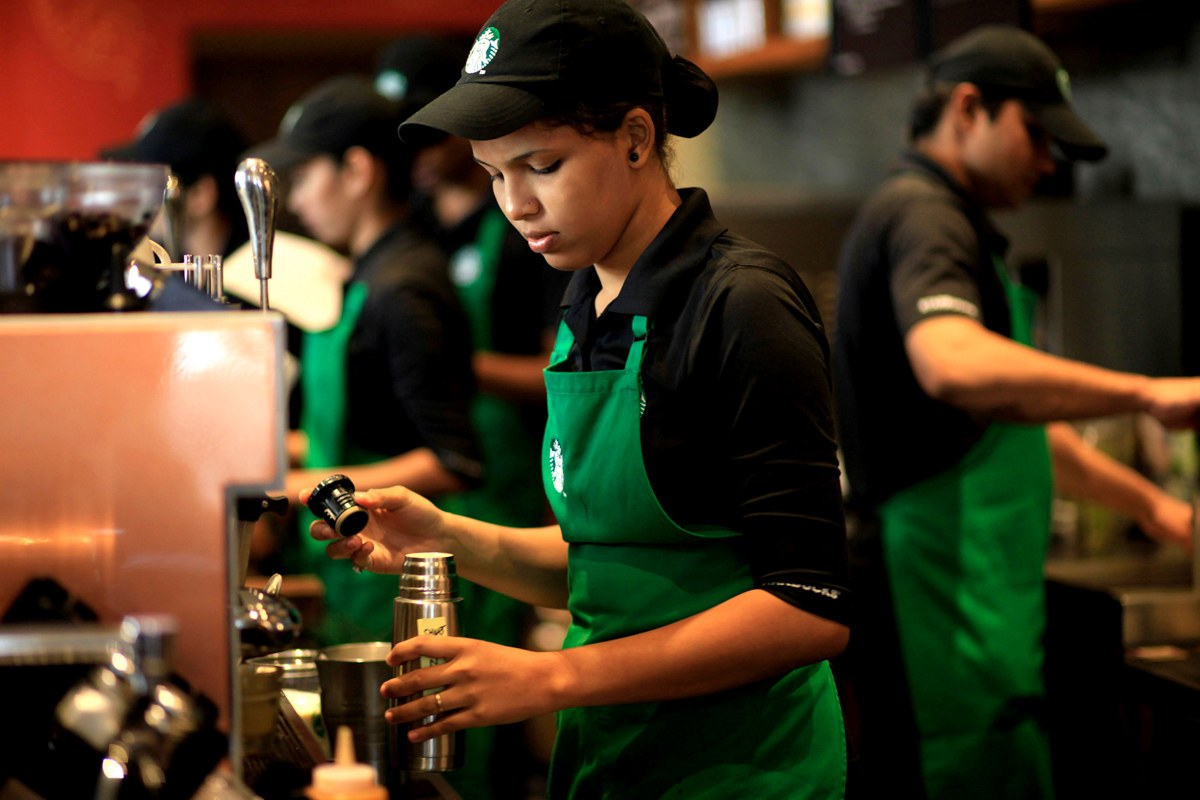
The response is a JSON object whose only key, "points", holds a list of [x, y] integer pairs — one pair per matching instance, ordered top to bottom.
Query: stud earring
{"points": [[633, 156]]}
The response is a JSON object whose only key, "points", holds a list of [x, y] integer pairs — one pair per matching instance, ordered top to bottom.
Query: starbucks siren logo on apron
{"points": [[483, 51], [556, 467]]}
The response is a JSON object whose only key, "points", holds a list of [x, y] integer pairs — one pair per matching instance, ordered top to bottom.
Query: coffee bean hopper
{"points": [[68, 229]]}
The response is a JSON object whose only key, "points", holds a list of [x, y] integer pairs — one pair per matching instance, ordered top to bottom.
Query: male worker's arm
{"points": [[959, 362], [1083, 472]]}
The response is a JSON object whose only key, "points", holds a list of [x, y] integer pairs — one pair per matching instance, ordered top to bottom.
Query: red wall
{"points": [[79, 74]]}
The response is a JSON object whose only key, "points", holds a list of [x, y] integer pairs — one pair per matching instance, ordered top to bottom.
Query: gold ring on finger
{"points": [[437, 698]]}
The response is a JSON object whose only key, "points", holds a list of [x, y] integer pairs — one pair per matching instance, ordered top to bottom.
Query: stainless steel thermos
{"points": [[428, 605]]}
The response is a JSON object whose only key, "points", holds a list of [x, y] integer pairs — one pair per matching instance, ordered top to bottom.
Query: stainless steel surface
{"points": [[258, 189], [175, 217], [189, 269], [202, 273], [216, 285], [429, 576], [1159, 593], [428, 604], [266, 623], [151, 640], [48, 645], [138, 661], [299, 668], [351, 675], [133, 714], [292, 742]]}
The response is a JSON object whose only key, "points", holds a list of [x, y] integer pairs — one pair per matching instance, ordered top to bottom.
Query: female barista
{"points": [[689, 453]]}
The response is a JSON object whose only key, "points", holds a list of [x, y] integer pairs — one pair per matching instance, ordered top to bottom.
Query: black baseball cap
{"points": [[535, 57], [1007, 62], [418, 68], [338, 114], [192, 136]]}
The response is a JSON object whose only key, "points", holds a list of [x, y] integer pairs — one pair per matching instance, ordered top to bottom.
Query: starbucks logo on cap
{"points": [[483, 51], [1064, 83], [556, 467]]}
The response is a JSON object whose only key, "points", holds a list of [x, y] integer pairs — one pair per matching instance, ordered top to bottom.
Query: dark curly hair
{"points": [[929, 105], [601, 120]]}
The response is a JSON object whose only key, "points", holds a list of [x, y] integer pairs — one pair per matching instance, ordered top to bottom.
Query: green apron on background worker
{"points": [[964, 553], [632, 569], [358, 607]]}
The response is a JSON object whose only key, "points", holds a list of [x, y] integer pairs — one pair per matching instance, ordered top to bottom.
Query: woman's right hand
{"points": [[402, 522]]}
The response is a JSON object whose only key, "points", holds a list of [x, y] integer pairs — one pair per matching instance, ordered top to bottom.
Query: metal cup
{"points": [[299, 668], [350, 676], [261, 685]]}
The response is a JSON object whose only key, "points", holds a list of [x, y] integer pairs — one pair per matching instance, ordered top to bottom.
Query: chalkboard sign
{"points": [[950, 19], [875, 33], [879, 33]]}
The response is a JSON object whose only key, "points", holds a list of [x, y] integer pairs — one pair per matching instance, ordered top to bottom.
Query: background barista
{"points": [[202, 148], [387, 389], [941, 399]]}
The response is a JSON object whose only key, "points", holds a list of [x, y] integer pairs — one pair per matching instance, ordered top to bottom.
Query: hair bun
{"points": [[690, 97]]}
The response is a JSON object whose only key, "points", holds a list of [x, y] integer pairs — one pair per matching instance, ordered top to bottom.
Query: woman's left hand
{"points": [[481, 683]]}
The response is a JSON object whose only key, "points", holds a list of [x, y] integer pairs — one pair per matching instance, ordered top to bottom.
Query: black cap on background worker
{"points": [[203, 148]]}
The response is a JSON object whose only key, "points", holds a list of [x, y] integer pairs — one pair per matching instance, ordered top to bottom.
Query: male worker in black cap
{"points": [[202, 148], [387, 389], [944, 406]]}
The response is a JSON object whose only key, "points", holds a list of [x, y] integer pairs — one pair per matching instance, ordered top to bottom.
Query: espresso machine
{"points": [[68, 229], [129, 440]]}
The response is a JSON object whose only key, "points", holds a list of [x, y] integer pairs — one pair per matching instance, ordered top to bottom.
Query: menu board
{"points": [[952, 18], [876, 33]]}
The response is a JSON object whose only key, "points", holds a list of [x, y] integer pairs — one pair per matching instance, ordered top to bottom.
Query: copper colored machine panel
{"points": [[124, 440]]}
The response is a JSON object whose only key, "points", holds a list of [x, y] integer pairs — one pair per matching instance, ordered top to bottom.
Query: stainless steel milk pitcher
{"points": [[428, 605]]}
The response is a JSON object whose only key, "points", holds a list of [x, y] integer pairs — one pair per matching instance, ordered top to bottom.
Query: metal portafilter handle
{"points": [[258, 189]]}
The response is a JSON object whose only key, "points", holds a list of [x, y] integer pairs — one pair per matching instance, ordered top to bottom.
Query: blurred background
{"points": [[814, 101]]}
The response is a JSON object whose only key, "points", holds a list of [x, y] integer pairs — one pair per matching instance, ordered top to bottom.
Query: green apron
{"points": [[510, 495], [964, 552], [632, 569], [358, 607]]}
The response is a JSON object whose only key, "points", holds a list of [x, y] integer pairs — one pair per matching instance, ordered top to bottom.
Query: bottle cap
{"points": [[333, 500]]}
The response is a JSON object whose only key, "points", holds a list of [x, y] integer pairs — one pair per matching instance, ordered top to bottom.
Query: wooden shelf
{"points": [[1071, 6], [781, 54], [778, 55]]}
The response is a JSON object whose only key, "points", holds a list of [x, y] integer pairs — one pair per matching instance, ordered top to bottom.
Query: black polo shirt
{"points": [[920, 247], [408, 361], [738, 424]]}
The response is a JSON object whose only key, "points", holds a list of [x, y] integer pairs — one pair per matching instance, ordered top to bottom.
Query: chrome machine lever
{"points": [[258, 189]]}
